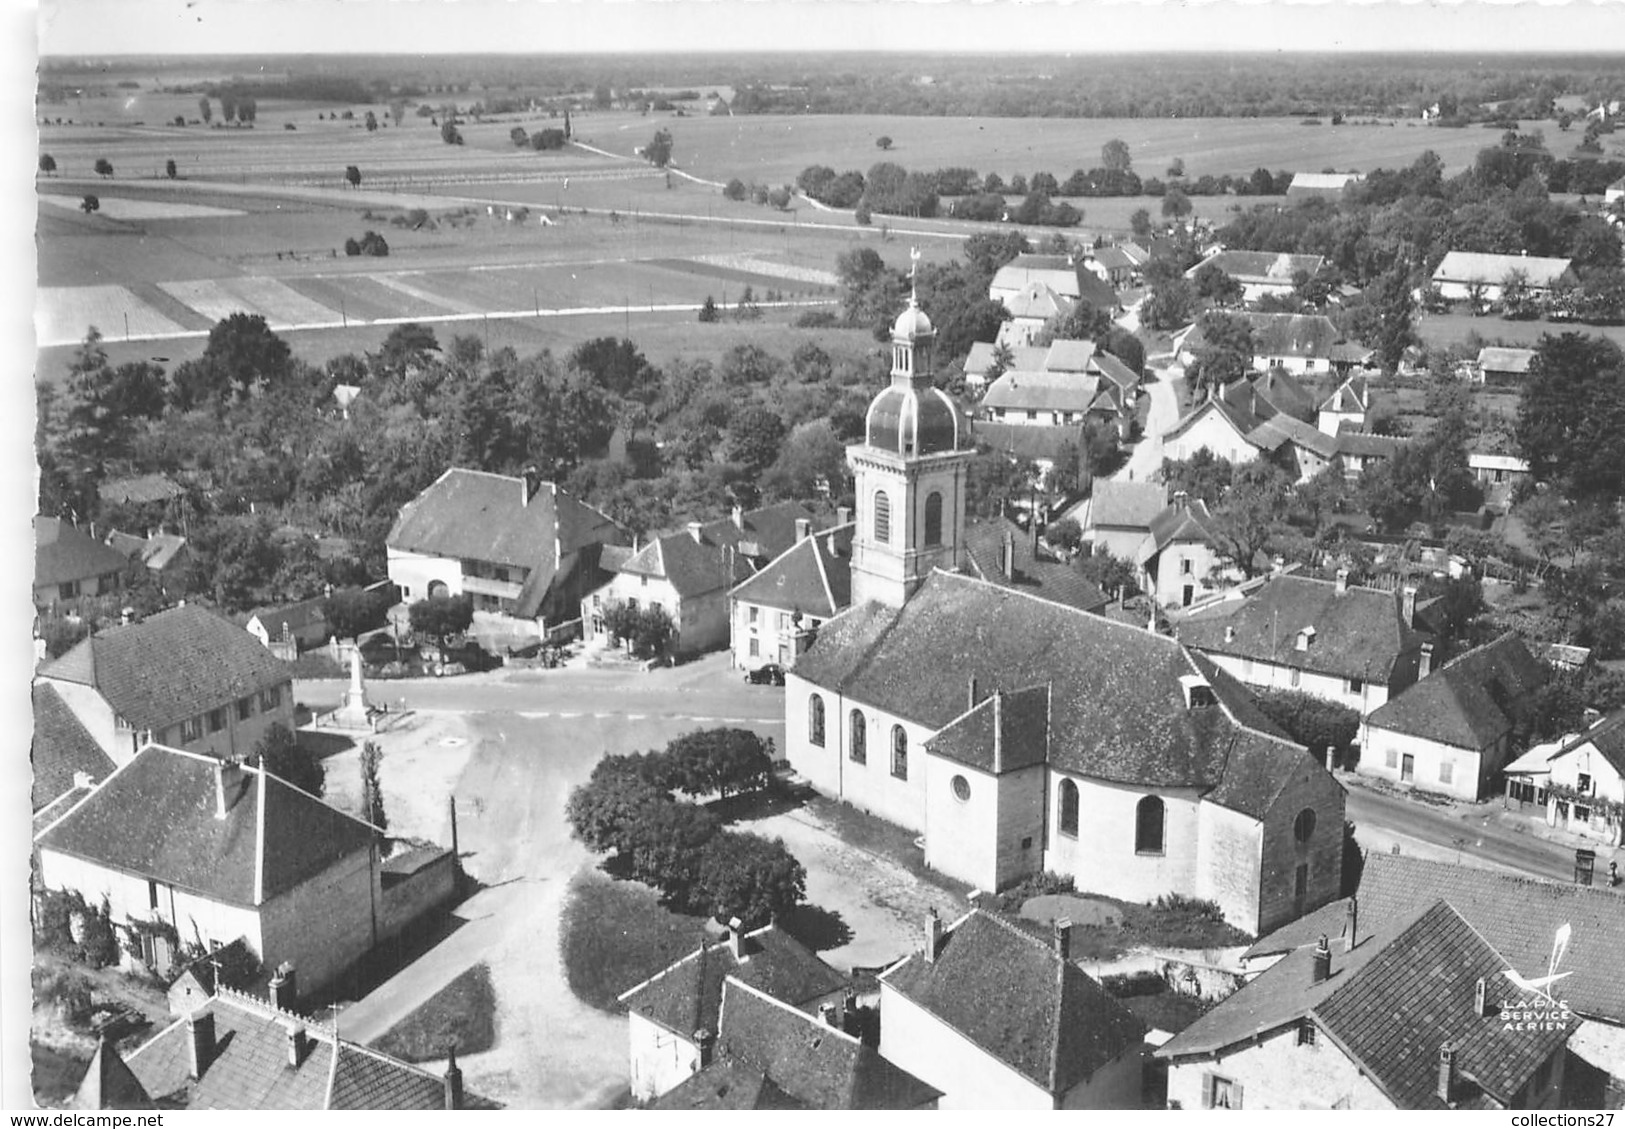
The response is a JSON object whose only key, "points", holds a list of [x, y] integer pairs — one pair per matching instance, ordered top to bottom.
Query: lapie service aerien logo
{"points": [[1541, 1008]]}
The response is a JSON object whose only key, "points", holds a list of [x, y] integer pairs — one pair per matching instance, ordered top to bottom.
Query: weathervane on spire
{"points": [[913, 276]]}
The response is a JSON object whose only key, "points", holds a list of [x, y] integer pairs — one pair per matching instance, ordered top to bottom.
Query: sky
{"points": [[101, 27]]}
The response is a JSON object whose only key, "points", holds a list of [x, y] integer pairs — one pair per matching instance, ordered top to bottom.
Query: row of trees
{"points": [[681, 848]]}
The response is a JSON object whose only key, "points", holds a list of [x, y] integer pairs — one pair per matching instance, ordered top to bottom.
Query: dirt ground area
{"points": [[877, 906], [62, 1047]]}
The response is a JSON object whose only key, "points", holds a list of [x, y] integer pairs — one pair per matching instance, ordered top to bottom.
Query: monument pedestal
{"points": [[354, 713]]}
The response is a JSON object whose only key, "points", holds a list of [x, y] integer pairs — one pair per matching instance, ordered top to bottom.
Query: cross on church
{"points": [[913, 272]]}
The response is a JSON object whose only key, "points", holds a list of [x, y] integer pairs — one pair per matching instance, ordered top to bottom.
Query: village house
{"points": [[1320, 185], [1120, 265], [1261, 272], [1059, 273], [1462, 274], [1031, 308], [1300, 344], [1066, 355], [1501, 367], [1271, 393], [1053, 398], [1346, 408], [1214, 425], [1300, 449], [1498, 475], [1117, 516], [523, 550], [1001, 552], [162, 554], [1181, 557], [69, 564], [690, 574], [776, 612], [302, 624], [1355, 646], [184, 677], [1454, 729], [66, 759], [1579, 780], [218, 851], [1521, 918], [676, 1014], [1409, 1017], [997, 1018], [244, 1053], [769, 1055]]}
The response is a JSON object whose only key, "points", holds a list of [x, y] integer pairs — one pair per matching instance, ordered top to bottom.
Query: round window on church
{"points": [[961, 789], [1304, 825]]}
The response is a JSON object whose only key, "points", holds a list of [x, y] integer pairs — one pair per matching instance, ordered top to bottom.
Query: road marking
{"points": [[636, 716]]}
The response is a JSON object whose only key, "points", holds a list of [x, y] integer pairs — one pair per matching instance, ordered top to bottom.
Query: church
{"points": [[1017, 734]]}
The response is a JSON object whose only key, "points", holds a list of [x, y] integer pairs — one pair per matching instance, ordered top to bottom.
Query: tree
{"points": [[204, 110], [247, 110], [397, 111], [372, 122], [449, 133], [519, 137], [883, 143], [658, 151], [1114, 157], [47, 164], [104, 167], [169, 168], [353, 176], [735, 189], [90, 203], [1175, 204], [1140, 221], [1214, 284], [1169, 305], [708, 312], [1387, 322], [242, 350], [1571, 414], [755, 437], [1246, 515], [351, 611], [441, 616], [1312, 722], [278, 752], [723, 761], [372, 788], [604, 811], [751, 878]]}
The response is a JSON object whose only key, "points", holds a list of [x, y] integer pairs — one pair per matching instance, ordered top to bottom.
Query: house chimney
{"points": [[532, 479], [1182, 500], [843, 515], [739, 517], [803, 528], [694, 532], [1007, 556], [1342, 581], [1407, 605], [126, 616], [1229, 633], [1424, 663], [970, 686], [228, 778], [933, 935], [1351, 935], [1063, 937], [736, 939], [1321, 967], [284, 988], [1481, 998], [826, 1012], [851, 1022], [200, 1038], [706, 1041], [297, 1043], [1447, 1070], [453, 1080]]}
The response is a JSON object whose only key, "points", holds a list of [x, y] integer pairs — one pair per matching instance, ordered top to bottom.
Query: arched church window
{"points": [[882, 518], [933, 518], [815, 720], [860, 738], [899, 752], [1069, 808], [1304, 825], [1148, 826]]}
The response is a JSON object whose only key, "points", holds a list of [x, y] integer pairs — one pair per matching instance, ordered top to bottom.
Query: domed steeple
{"points": [[909, 472]]}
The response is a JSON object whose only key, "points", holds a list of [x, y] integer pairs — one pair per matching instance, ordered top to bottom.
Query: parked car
{"points": [[768, 674]]}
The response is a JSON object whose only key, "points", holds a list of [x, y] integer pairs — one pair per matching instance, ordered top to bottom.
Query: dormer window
{"points": [[1306, 638], [1198, 694]]}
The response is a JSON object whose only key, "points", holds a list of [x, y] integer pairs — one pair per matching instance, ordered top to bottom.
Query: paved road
{"points": [[1146, 458], [1472, 831]]}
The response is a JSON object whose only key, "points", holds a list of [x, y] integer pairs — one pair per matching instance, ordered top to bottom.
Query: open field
{"points": [[775, 148], [1448, 329]]}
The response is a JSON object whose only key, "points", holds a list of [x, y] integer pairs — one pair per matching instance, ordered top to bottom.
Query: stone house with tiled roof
{"points": [[1261, 272], [1459, 272], [1502, 367], [1269, 393], [1347, 407], [1216, 425], [1116, 516], [524, 550], [1000, 552], [1182, 556], [69, 563], [690, 574], [775, 613], [303, 623], [1355, 646], [185, 677], [990, 720], [1453, 730], [67, 761], [1579, 781], [222, 851], [1520, 917], [676, 1014], [1409, 1017], [997, 1018], [242, 1053], [769, 1055]]}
